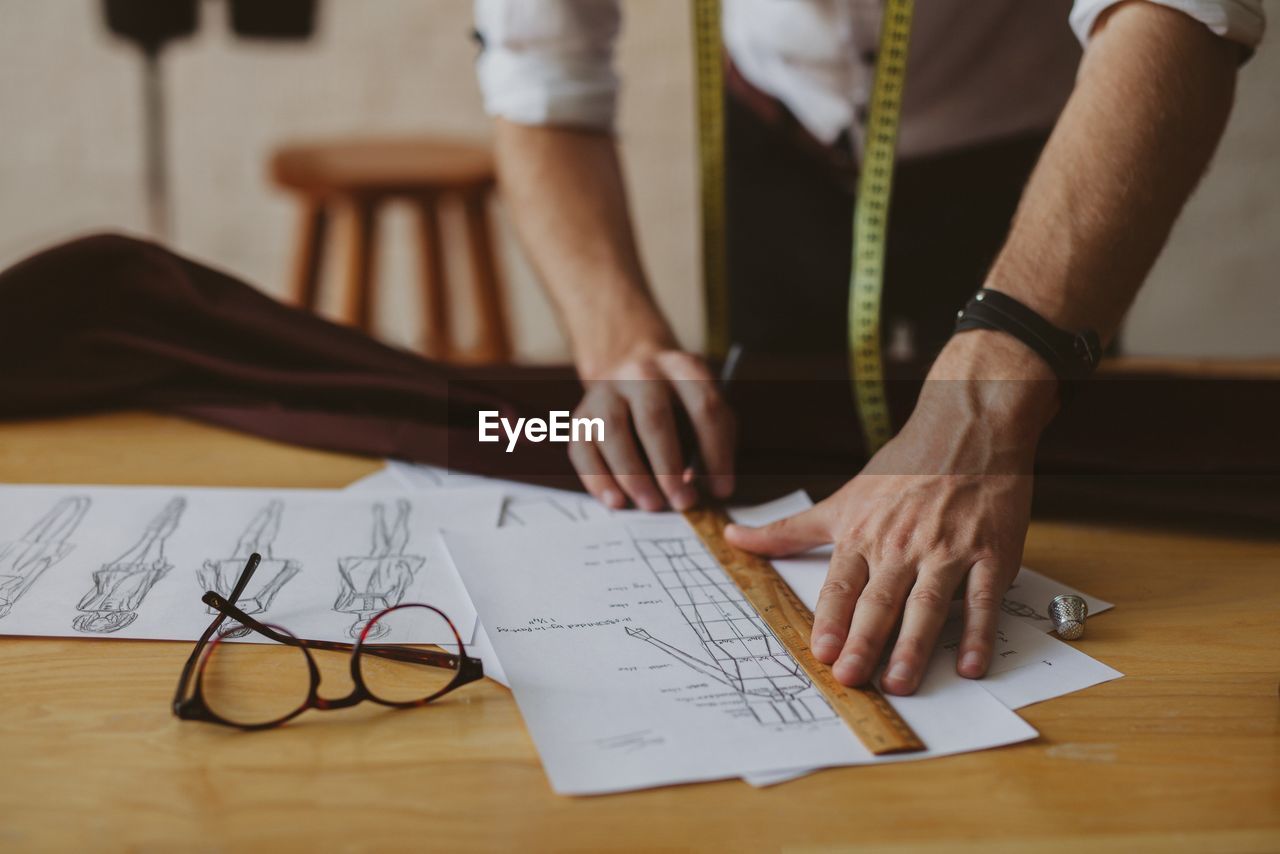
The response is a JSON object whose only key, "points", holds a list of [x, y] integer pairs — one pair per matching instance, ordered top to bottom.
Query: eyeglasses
{"points": [[255, 686]]}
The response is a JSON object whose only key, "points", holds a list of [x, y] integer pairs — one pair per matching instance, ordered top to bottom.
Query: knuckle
{"points": [[641, 369], [711, 405], [700, 408], [614, 409], [649, 414], [634, 481], [780, 528], [849, 541], [894, 544], [982, 554], [836, 588], [878, 597], [928, 597], [984, 599], [823, 625], [862, 644], [912, 649]]}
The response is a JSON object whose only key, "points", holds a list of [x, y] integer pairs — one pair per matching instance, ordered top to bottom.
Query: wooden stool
{"points": [[366, 174]]}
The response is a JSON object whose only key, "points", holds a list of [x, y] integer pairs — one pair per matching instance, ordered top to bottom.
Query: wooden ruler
{"points": [[866, 711]]}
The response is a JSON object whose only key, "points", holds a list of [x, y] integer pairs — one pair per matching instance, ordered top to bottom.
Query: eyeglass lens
{"points": [[402, 681], [253, 683]]}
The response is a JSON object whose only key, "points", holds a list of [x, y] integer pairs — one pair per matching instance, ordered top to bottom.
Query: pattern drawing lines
{"points": [[743, 652]]}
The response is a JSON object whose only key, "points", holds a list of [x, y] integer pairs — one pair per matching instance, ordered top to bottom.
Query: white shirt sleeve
{"points": [[1238, 20], [549, 62]]}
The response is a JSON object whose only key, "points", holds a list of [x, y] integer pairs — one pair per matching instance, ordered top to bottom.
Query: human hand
{"points": [[640, 457], [948, 499]]}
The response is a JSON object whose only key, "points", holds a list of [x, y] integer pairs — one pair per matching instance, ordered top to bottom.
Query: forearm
{"points": [[1150, 103], [565, 190]]}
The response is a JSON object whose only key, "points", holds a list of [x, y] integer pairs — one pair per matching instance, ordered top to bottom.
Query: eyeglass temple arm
{"points": [[250, 566], [395, 653]]}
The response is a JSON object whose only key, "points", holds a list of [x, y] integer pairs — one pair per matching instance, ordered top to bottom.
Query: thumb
{"points": [[794, 534]]}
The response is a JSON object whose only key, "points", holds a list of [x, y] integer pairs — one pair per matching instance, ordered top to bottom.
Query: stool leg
{"points": [[308, 262], [358, 309], [495, 333], [438, 336]]}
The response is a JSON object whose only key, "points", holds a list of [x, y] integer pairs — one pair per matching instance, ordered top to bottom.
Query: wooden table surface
{"points": [[1181, 754]]}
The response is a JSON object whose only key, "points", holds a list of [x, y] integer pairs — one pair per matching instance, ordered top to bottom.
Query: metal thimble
{"points": [[1068, 613]]}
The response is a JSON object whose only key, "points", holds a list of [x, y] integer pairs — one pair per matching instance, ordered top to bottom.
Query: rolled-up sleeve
{"points": [[1240, 21], [549, 62]]}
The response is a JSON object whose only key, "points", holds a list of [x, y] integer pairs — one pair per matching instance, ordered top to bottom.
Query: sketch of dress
{"points": [[536, 509], [23, 561], [221, 574], [374, 582], [120, 586], [743, 652]]}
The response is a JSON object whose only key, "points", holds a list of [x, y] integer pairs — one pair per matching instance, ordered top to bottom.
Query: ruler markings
{"points": [[865, 710]]}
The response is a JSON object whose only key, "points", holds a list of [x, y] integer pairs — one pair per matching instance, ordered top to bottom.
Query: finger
{"points": [[713, 421], [655, 424], [628, 468], [594, 474], [799, 533], [846, 577], [984, 594], [873, 619], [922, 620]]}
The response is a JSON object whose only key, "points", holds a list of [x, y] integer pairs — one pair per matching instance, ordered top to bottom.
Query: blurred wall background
{"points": [[70, 158]]}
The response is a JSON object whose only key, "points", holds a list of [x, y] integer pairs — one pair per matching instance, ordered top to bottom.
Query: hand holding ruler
{"points": [[866, 711]]}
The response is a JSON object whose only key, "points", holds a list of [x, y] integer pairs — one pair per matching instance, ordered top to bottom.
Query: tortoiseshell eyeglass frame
{"points": [[189, 701]]}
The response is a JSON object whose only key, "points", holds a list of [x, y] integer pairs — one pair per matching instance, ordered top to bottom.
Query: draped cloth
{"points": [[109, 322]]}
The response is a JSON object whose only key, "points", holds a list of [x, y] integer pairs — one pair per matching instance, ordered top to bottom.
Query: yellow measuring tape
{"points": [[710, 83], [871, 214], [871, 225]]}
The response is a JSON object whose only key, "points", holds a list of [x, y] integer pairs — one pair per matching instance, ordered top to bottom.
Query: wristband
{"points": [[1073, 356]]}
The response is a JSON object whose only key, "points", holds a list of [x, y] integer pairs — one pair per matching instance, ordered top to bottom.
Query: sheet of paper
{"points": [[523, 505], [133, 562], [636, 662], [1038, 667], [1061, 669]]}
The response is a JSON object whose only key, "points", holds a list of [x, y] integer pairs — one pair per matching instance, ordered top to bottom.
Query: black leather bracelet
{"points": [[1073, 356]]}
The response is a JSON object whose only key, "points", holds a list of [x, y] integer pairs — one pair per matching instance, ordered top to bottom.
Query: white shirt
{"points": [[977, 70]]}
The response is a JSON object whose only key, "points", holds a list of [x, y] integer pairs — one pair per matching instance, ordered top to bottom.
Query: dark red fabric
{"points": [[111, 322]]}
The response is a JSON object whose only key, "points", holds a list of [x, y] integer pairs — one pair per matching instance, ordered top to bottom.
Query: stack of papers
{"points": [[133, 561], [636, 662]]}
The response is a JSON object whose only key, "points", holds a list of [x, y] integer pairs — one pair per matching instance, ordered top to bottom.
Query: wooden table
{"points": [[1182, 754]]}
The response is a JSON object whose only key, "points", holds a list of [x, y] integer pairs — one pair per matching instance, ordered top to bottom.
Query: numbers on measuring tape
{"points": [[871, 213], [871, 226]]}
